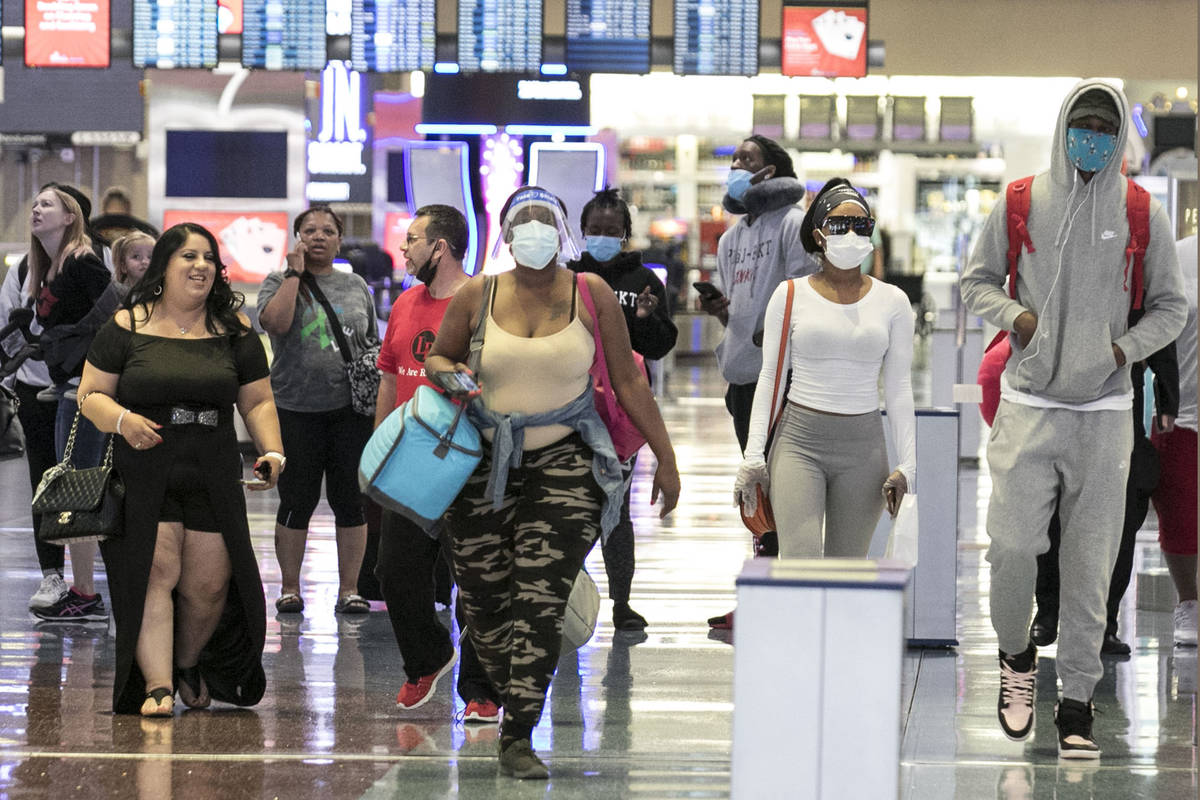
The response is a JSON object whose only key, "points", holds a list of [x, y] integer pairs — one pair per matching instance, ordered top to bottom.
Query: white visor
{"points": [[532, 203]]}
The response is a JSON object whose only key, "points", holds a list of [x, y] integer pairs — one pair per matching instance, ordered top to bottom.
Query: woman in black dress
{"points": [[164, 374]]}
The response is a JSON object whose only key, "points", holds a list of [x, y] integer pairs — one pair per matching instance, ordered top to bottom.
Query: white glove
{"points": [[752, 472]]}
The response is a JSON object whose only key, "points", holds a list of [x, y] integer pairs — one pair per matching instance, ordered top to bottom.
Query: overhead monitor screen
{"points": [[229, 16], [67, 33], [175, 34], [283, 35], [393, 35], [500, 35], [608, 36], [716, 37], [824, 39], [768, 115], [816, 116], [862, 117], [908, 119], [957, 120], [204, 163]]}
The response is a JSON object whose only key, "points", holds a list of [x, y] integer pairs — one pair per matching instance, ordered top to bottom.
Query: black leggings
{"points": [[37, 420], [321, 443]]}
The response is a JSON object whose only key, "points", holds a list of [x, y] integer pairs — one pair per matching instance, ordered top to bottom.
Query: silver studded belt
{"points": [[208, 417]]}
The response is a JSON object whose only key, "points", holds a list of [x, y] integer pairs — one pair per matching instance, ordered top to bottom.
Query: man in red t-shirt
{"points": [[433, 254]]}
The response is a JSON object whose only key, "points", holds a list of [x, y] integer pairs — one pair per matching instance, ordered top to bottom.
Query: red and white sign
{"points": [[229, 16], [67, 33], [825, 41], [395, 232], [252, 243]]}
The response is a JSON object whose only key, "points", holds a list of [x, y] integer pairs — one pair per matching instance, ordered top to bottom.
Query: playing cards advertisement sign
{"points": [[66, 33], [825, 41]]}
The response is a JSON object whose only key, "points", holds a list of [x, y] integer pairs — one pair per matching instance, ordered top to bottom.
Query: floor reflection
{"points": [[629, 715]]}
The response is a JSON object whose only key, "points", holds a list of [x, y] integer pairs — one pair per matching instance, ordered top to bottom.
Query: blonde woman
{"points": [[65, 279]]}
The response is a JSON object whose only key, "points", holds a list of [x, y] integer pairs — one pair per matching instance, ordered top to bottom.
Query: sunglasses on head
{"points": [[863, 226]]}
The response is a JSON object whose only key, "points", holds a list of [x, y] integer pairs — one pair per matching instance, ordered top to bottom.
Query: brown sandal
{"points": [[160, 702]]}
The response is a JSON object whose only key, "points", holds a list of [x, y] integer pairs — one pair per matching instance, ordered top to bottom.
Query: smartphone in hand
{"points": [[707, 290], [457, 382]]}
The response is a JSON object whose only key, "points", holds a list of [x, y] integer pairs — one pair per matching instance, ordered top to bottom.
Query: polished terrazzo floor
{"points": [[630, 716]]}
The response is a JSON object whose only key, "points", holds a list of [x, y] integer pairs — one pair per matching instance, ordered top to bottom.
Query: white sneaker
{"points": [[53, 588], [1185, 624]]}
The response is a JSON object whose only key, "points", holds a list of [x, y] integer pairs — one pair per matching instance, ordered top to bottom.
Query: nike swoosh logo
{"points": [[1108, 235]]}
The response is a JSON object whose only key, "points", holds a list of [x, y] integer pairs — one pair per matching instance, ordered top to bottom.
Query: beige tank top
{"points": [[531, 375]]}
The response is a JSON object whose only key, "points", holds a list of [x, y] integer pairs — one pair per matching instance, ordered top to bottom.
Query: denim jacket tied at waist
{"points": [[508, 446]]}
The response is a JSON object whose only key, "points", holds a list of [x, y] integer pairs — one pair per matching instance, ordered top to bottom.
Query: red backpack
{"points": [[1137, 211]]}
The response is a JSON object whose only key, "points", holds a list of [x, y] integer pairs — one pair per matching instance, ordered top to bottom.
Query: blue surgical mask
{"points": [[1089, 150], [737, 182], [534, 244], [604, 248]]}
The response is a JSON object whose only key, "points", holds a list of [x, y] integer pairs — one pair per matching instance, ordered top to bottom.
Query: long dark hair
{"points": [[222, 304]]}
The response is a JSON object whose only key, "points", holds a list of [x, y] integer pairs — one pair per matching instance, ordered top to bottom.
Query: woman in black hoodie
{"points": [[607, 226]]}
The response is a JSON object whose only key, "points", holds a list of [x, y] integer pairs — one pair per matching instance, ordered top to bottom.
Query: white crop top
{"points": [[837, 353]]}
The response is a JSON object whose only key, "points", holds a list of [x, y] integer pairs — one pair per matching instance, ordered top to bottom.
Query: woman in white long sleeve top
{"points": [[827, 468]]}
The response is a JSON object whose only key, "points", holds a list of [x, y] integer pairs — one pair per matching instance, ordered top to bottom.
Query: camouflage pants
{"points": [[515, 567]]}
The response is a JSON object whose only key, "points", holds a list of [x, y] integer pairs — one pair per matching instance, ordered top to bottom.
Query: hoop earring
{"points": [[158, 290]]}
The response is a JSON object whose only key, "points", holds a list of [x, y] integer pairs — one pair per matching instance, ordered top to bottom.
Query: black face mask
{"points": [[427, 272]]}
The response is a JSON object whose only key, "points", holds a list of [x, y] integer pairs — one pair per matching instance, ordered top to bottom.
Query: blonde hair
{"points": [[75, 240], [121, 248]]}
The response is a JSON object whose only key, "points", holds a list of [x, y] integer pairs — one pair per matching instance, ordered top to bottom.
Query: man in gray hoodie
{"points": [[753, 257], [1063, 432]]}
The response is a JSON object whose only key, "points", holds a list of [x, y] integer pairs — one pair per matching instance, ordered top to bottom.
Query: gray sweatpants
{"points": [[1080, 460], [830, 469]]}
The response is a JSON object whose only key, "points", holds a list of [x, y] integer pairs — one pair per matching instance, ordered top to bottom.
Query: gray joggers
{"points": [[1079, 459], [827, 469]]}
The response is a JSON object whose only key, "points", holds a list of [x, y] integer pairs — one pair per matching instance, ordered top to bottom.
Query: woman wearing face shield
{"points": [[828, 458], [549, 482]]}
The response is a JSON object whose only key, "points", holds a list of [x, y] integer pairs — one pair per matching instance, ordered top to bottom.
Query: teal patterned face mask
{"points": [[1089, 150]]}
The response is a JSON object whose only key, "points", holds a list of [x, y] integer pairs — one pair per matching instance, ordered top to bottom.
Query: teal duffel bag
{"points": [[419, 458]]}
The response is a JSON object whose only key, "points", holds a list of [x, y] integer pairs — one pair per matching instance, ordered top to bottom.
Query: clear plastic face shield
{"points": [[533, 225]]}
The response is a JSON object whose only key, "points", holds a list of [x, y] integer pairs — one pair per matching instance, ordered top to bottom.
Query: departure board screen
{"points": [[171, 34], [283, 34], [393, 35], [499, 35], [608, 36], [716, 37]]}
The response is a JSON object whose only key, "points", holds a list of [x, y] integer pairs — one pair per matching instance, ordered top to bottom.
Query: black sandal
{"points": [[191, 678], [156, 696]]}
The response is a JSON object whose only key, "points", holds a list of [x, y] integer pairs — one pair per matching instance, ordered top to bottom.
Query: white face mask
{"points": [[534, 244], [847, 250]]}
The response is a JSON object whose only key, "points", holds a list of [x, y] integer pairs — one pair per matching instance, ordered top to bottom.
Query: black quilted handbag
{"points": [[79, 505]]}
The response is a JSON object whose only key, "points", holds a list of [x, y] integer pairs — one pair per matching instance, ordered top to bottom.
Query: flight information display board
{"points": [[67, 33], [171, 34], [283, 35], [393, 35], [500, 35], [608, 36], [716, 37]]}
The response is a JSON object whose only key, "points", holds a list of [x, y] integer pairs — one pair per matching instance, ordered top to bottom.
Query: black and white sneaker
{"points": [[1018, 680], [1074, 722]]}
